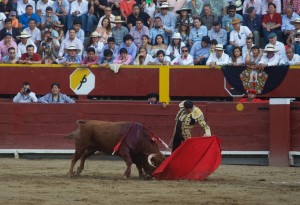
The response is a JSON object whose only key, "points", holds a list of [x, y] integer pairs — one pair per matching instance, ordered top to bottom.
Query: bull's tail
{"points": [[73, 135]]}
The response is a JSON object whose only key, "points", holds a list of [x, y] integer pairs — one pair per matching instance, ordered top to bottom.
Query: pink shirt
{"points": [[4, 48], [118, 60], [90, 62]]}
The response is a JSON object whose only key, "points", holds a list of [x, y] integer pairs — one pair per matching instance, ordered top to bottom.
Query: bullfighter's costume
{"points": [[185, 122]]}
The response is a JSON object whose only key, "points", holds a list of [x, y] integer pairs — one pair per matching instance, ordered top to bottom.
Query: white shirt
{"points": [[257, 4], [40, 5], [21, 7], [82, 7], [264, 8], [111, 18], [2, 19], [286, 22], [35, 35], [240, 37], [66, 43], [22, 48], [281, 49], [245, 50], [175, 51], [148, 59], [166, 59], [189, 60], [238, 60], [219, 61], [269, 61], [293, 61], [20, 98]]}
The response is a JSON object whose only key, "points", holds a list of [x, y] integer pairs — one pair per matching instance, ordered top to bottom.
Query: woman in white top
{"points": [[150, 8], [104, 31], [95, 43], [159, 45], [174, 49], [143, 58], [236, 58]]}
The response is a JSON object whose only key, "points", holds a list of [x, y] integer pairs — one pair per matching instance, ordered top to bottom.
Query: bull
{"points": [[133, 142]]}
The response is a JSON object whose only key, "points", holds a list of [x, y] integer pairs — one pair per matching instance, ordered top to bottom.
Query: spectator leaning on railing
{"points": [[55, 96]]}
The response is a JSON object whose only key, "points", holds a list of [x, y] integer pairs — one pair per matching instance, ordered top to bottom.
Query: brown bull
{"points": [[136, 144]]}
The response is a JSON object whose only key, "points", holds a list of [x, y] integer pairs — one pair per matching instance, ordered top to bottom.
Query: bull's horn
{"points": [[149, 160]]}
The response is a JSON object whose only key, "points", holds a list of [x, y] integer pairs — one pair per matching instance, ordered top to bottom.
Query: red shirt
{"points": [[126, 7], [276, 18], [34, 57], [255, 100]]}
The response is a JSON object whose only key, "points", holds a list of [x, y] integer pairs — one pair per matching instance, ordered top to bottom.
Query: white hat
{"points": [[164, 5], [239, 5], [117, 19], [296, 20], [24, 34], [94, 34], [176, 35], [72, 47], [219, 47], [270, 47]]}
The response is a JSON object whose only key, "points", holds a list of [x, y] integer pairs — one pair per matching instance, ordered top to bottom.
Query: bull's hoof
{"points": [[71, 174]]}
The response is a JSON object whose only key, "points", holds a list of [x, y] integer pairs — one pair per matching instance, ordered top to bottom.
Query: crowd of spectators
{"points": [[150, 32]]}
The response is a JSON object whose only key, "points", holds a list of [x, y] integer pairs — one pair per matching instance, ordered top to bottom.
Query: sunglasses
{"points": [[164, 9], [197, 34], [239, 36], [184, 50]]}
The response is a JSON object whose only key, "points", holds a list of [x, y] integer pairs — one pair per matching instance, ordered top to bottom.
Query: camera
{"points": [[27, 90]]}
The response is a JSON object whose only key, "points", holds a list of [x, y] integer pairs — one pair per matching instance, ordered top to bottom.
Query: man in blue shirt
{"points": [[24, 18], [226, 20], [254, 22], [158, 29], [216, 32], [111, 45], [130, 46], [200, 51]]}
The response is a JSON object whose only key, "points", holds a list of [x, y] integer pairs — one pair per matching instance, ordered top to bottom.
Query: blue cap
{"points": [[271, 35]]}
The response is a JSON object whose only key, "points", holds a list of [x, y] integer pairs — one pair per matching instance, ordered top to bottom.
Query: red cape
{"points": [[196, 158]]}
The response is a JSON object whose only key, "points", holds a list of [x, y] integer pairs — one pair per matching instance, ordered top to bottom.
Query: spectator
{"points": [[22, 4], [256, 4], [295, 4], [175, 5], [41, 6], [265, 6], [6, 7], [196, 7], [218, 7], [126, 8], [150, 8], [61, 9], [94, 9], [79, 12], [138, 14], [109, 15], [184, 16], [24, 18], [49, 18], [208, 18], [14, 19], [168, 19], [2, 20], [227, 20], [253, 21], [272, 22], [58, 27], [287, 27], [159, 28], [9, 29], [184, 30], [105, 31], [138, 31], [34, 32], [79, 32], [197, 32], [218, 33], [238, 35], [291, 38], [25, 41], [68, 41], [6, 43], [95, 43], [145, 44], [213, 44], [277, 44], [159, 45], [49, 46], [130, 47], [247, 48], [174, 49], [200, 51], [253, 56], [30, 57], [71, 57], [11, 58], [91, 58], [107, 58], [123, 58], [143, 58], [217, 58], [236, 58], [271, 58], [290, 58], [161, 59], [184, 59], [25, 95], [55, 96], [251, 97], [152, 99]]}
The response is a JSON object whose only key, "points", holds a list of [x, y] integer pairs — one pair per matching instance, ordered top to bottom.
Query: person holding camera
{"points": [[49, 19], [50, 45], [25, 95]]}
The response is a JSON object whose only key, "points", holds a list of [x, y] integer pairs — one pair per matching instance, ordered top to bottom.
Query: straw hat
{"points": [[164, 5], [239, 5], [184, 8], [118, 19], [296, 20], [235, 21], [58, 24], [24, 34], [94, 34], [176, 35], [72, 47], [219, 47], [269, 47]]}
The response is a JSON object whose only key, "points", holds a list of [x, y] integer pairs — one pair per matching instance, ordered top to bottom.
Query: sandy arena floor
{"points": [[27, 182]]}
